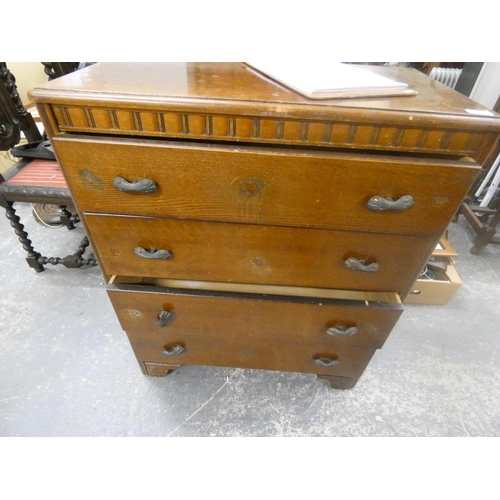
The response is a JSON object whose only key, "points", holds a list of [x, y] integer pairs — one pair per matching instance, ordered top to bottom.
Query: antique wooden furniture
{"points": [[14, 118], [32, 180], [40, 181], [484, 219], [239, 224]]}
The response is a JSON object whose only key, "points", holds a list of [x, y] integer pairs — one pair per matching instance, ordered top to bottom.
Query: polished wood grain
{"points": [[234, 88], [231, 102], [192, 126], [264, 185], [245, 253], [253, 318]]}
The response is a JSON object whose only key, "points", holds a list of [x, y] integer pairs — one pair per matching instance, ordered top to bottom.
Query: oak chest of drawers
{"points": [[239, 224]]}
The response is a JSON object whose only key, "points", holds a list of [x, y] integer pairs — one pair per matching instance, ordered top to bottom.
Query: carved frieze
{"points": [[272, 131]]}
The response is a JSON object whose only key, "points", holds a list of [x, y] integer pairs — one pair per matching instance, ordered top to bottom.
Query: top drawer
{"points": [[285, 187]]}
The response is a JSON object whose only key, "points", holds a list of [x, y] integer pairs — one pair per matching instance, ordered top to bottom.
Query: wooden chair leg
{"points": [[66, 217], [15, 222], [485, 231], [37, 260], [72, 261]]}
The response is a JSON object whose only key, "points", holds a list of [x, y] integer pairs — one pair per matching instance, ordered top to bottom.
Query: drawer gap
{"points": [[245, 288]]}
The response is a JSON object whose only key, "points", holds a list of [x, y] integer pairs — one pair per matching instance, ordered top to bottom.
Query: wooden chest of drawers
{"points": [[239, 224]]}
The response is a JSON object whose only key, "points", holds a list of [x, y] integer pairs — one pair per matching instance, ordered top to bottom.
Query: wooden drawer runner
{"points": [[285, 187], [245, 253], [236, 317], [343, 361]]}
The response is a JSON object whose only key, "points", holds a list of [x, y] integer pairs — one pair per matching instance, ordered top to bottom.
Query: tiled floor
{"points": [[66, 368]]}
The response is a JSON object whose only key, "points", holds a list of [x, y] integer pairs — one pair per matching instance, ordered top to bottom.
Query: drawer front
{"points": [[263, 185], [244, 253], [187, 316], [321, 359]]}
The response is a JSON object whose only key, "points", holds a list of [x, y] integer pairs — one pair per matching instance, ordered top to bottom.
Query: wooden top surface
{"points": [[236, 88]]}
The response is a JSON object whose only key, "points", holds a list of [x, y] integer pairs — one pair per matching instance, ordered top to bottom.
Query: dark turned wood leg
{"points": [[66, 217], [34, 257], [76, 259], [71, 261], [81, 261], [157, 369], [338, 382]]}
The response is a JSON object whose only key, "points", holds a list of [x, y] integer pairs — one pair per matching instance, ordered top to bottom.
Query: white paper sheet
{"points": [[311, 77]]}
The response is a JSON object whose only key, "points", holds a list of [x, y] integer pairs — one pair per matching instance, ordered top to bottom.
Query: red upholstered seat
{"points": [[40, 173], [40, 182]]}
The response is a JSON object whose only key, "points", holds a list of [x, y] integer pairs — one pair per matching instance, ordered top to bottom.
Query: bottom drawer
{"points": [[331, 333], [322, 358]]}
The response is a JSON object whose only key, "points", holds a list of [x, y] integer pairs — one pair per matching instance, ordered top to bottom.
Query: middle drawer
{"points": [[244, 253]]}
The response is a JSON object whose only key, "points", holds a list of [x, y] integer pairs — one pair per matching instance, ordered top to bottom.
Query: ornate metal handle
{"points": [[144, 186], [380, 203], [152, 253], [359, 265], [163, 318], [342, 331], [174, 351], [326, 362]]}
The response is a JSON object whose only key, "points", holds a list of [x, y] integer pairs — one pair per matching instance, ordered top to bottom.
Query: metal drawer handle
{"points": [[143, 186], [380, 203], [152, 253], [360, 265], [163, 318], [342, 331], [174, 351], [326, 362]]}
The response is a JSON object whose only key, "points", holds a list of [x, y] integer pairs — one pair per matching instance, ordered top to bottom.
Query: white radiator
{"points": [[446, 76]]}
